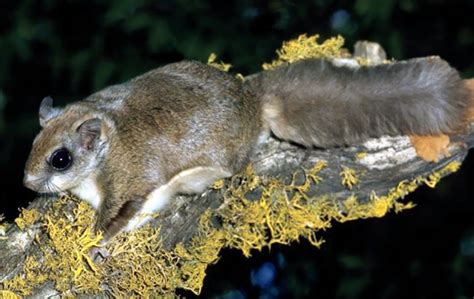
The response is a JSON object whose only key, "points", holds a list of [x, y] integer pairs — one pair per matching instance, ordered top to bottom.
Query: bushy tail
{"points": [[315, 103]]}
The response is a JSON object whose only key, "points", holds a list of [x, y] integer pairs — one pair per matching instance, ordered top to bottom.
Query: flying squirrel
{"points": [[130, 148]]}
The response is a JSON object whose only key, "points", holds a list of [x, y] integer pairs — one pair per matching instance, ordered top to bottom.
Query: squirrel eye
{"points": [[61, 159]]}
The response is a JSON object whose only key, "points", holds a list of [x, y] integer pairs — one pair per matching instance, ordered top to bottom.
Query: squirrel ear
{"points": [[47, 111], [89, 132]]}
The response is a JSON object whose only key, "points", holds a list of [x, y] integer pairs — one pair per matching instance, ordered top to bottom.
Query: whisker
{"points": [[49, 187], [56, 188]]}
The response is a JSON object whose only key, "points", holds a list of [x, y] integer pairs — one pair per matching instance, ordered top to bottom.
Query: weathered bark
{"points": [[387, 162]]}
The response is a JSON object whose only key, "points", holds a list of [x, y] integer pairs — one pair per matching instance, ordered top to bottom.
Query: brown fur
{"points": [[315, 103], [469, 116]]}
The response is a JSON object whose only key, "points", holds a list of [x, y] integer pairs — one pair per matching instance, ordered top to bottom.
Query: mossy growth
{"points": [[305, 47], [212, 61], [225, 67], [361, 155], [349, 177], [27, 218], [64, 257], [24, 283]]}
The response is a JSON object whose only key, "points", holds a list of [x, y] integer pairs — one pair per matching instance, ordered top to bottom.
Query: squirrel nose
{"points": [[29, 181]]}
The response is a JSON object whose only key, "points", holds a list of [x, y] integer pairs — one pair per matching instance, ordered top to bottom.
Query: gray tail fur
{"points": [[315, 103]]}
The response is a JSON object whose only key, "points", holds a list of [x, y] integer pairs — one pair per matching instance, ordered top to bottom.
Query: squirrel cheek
{"points": [[59, 183]]}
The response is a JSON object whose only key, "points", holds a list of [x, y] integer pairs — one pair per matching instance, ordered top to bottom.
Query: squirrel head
{"points": [[67, 150]]}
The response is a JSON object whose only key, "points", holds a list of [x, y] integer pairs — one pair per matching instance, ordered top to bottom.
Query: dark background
{"points": [[68, 49]]}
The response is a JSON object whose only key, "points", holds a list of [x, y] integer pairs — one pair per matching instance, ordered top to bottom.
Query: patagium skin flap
{"points": [[129, 148]]}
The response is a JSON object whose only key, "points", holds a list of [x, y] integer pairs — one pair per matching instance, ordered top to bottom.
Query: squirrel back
{"points": [[186, 109]]}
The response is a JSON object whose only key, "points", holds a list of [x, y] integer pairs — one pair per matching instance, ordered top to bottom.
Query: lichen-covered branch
{"points": [[288, 192]]}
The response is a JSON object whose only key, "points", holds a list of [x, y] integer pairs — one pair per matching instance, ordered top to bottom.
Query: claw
{"points": [[98, 254]]}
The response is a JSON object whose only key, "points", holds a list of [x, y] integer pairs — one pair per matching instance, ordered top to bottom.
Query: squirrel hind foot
{"points": [[431, 148], [189, 181], [98, 254]]}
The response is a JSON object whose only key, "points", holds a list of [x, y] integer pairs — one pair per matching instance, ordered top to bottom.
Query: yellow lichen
{"points": [[305, 47], [218, 65], [240, 76], [361, 155], [313, 172], [349, 177], [433, 179], [219, 184], [350, 202], [378, 206], [26, 218], [275, 218], [69, 244], [203, 250], [66, 259], [139, 267], [23, 283], [8, 295]]}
